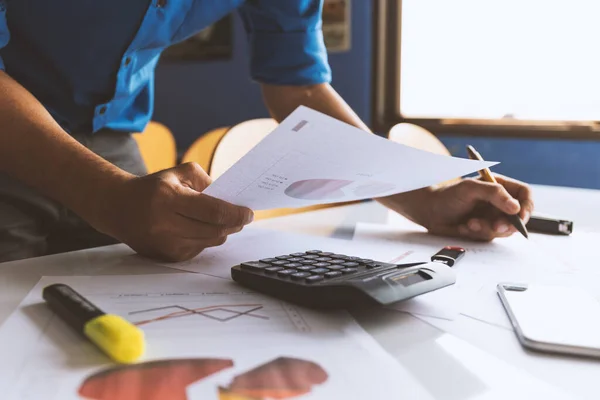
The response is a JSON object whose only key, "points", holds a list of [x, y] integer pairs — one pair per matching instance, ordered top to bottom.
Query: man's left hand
{"points": [[468, 208]]}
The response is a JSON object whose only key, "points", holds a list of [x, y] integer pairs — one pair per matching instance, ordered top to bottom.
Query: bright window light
{"points": [[491, 59]]}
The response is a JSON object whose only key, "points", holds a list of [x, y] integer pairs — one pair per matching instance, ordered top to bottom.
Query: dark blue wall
{"points": [[193, 98], [548, 162]]}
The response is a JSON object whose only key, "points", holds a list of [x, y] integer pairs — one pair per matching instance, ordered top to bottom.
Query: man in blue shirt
{"points": [[76, 78]]}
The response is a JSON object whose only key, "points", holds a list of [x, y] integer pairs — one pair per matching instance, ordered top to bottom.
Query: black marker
{"points": [[550, 225], [118, 338]]}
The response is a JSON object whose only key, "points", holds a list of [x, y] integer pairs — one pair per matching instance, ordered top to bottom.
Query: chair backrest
{"points": [[417, 137], [420, 138], [238, 141], [157, 147], [203, 149]]}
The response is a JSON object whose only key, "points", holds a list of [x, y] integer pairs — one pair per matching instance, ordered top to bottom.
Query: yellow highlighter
{"points": [[115, 336]]}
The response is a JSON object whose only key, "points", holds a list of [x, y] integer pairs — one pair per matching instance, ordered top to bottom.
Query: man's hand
{"points": [[469, 208], [165, 215]]}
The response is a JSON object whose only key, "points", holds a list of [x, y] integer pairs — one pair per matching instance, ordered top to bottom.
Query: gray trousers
{"points": [[33, 225]]}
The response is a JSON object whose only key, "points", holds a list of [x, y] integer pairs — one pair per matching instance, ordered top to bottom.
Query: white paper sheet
{"points": [[311, 158], [256, 243], [478, 272], [228, 329], [575, 375]]}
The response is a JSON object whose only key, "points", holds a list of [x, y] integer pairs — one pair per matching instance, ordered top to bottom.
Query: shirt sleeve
{"points": [[4, 35], [286, 41]]}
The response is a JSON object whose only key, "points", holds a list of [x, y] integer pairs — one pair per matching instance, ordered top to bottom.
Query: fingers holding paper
{"points": [[166, 216]]}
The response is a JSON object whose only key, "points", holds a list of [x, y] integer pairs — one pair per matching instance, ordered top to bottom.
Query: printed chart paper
{"points": [[311, 158], [253, 244], [484, 265], [206, 338]]}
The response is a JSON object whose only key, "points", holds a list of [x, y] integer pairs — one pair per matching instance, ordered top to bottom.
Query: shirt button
{"points": [[161, 3], [127, 61], [102, 110]]}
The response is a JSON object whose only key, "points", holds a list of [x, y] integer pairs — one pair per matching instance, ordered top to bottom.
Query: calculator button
{"points": [[313, 252], [326, 253], [297, 254], [282, 257], [310, 257], [354, 258], [295, 259], [324, 259], [268, 260], [365, 260], [336, 261], [279, 262], [308, 262], [350, 264], [292, 265], [321, 265], [373, 265], [254, 266], [336, 267], [305, 268], [272, 270], [319, 270], [349, 270], [286, 272], [333, 274], [300, 275], [314, 278]]}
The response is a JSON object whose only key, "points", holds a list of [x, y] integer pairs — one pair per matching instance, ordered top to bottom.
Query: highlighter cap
{"points": [[70, 306], [117, 337]]}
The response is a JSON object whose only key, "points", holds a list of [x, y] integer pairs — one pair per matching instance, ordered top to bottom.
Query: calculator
{"points": [[321, 279]]}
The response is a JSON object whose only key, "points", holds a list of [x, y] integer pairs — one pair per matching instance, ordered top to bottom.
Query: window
{"points": [[526, 66]]}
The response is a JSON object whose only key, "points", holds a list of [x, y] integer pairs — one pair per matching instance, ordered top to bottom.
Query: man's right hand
{"points": [[165, 215]]}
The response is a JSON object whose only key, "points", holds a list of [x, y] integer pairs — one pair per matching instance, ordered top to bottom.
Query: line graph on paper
{"points": [[207, 313], [221, 313]]}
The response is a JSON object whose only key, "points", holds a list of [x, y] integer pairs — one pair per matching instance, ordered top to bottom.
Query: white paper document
{"points": [[311, 158], [253, 244], [478, 272], [206, 338]]}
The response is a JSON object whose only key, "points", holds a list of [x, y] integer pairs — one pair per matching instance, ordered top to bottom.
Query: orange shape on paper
{"points": [[282, 378], [155, 380]]}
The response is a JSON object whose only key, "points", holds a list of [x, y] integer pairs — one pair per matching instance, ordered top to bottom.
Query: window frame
{"points": [[387, 16]]}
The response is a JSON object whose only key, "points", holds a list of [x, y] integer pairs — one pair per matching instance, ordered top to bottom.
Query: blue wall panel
{"points": [[195, 97], [547, 162]]}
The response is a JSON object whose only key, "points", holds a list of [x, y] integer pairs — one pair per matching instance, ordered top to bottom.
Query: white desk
{"points": [[412, 341]]}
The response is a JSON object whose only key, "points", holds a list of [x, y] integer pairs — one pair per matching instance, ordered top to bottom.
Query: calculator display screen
{"points": [[409, 279]]}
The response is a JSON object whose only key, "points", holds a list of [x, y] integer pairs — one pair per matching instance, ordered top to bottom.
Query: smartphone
{"points": [[553, 319]]}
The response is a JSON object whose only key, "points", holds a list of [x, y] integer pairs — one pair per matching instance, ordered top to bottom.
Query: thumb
{"points": [[192, 175], [496, 195]]}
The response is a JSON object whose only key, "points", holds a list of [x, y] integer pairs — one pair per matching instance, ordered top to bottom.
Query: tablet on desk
{"points": [[555, 319]]}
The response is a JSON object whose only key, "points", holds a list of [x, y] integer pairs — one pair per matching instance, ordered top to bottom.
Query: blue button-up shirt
{"points": [[91, 63]]}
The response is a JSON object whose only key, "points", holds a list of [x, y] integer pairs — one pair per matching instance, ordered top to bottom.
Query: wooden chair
{"points": [[417, 137], [238, 141], [157, 147], [203, 148], [219, 149]]}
